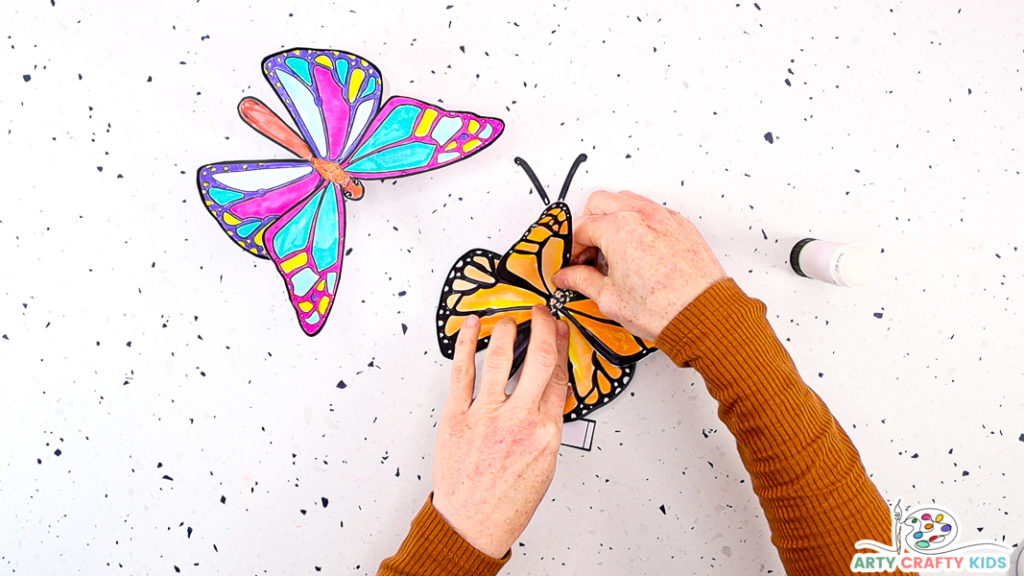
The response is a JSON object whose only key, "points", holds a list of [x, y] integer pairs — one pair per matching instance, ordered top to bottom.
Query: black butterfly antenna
{"points": [[568, 177], [533, 179], [540, 188]]}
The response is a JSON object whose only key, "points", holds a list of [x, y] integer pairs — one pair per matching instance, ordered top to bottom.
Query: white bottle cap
{"points": [[856, 267]]}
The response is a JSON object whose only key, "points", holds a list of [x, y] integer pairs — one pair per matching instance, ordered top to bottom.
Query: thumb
{"points": [[584, 279]]}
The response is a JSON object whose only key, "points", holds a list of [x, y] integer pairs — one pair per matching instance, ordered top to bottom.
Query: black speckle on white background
{"points": [[894, 127]]}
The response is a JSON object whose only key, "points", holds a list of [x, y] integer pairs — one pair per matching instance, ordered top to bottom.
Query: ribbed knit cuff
{"points": [[681, 338], [433, 548]]}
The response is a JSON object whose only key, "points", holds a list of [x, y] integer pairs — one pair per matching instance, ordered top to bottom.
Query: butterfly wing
{"points": [[331, 95], [409, 136], [247, 197], [307, 244], [543, 250], [490, 286], [473, 288], [608, 337], [602, 354], [593, 379]]}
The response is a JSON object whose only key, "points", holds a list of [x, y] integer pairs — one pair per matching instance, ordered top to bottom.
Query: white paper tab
{"points": [[578, 434]]}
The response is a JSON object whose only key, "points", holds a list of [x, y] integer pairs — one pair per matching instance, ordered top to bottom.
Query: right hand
{"points": [[657, 261]]}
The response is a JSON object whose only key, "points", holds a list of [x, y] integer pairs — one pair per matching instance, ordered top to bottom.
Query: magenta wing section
{"points": [[332, 96], [409, 136], [247, 197], [306, 244]]}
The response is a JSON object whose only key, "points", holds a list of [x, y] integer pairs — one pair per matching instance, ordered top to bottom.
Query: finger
{"points": [[637, 197], [603, 202], [651, 211], [594, 230], [587, 232], [587, 255], [584, 279], [541, 358], [497, 362], [460, 391], [552, 402]]}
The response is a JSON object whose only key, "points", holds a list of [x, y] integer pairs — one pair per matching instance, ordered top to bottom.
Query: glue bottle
{"points": [[833, 262]]}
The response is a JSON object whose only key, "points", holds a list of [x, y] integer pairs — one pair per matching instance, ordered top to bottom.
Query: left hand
{"points": [[495, 454]]}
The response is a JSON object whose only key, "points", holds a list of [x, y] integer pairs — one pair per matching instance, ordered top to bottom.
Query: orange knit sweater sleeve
{"points": [[804, 470], [806, 473], [432, 548]]}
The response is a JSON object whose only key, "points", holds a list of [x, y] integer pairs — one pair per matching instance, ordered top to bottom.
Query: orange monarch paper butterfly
{"points": [[602, 354]]}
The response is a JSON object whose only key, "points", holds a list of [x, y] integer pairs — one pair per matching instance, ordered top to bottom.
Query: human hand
{"points": [[657, 261], [496, 453]]}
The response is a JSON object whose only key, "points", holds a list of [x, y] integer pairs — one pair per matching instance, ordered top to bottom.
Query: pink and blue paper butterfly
{"points": [[293, 211]]}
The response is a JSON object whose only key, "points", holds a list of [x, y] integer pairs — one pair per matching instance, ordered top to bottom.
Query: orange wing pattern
{"points": [[542, 251], [472, 287], [613, 341], [602, 354], [593, 379]]}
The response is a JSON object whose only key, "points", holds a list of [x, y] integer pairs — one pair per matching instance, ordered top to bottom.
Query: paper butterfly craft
{"points": [[293, 211], [602, 354]]}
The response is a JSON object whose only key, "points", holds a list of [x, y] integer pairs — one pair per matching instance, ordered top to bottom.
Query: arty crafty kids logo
{"points": [[927, 541]]}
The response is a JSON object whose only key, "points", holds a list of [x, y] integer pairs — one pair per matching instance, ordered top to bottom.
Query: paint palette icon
{"points": [[931, 529]]}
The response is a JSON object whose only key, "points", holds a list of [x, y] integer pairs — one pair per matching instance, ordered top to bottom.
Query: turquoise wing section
{"points": [[409, 136], [247, 197], [306, 244]]}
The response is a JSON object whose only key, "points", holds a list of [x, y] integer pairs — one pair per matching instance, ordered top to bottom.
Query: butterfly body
{"points": [[333, 172], [293, 211], [558, 300], [602, 354]]}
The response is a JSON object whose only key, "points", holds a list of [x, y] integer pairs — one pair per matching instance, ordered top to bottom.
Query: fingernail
{"points": [[471, 322], [562, 330]]}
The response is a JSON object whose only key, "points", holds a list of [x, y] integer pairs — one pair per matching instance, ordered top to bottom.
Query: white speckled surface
{"points": [[162, 412]]}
